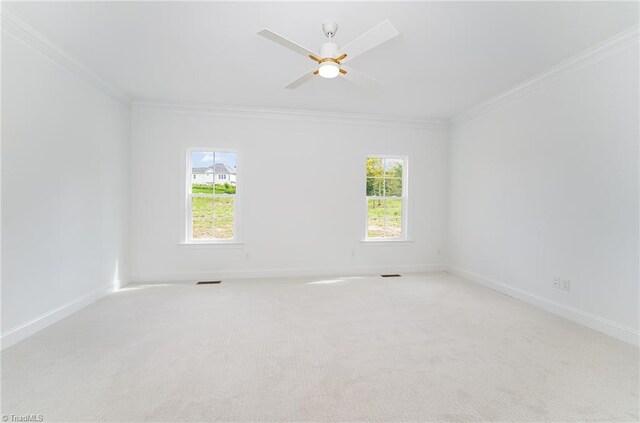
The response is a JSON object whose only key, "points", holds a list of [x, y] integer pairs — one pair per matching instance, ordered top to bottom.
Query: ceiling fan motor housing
{"points": [[328, 50]]}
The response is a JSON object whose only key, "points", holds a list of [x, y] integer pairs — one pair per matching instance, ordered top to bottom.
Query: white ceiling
{"points": [[449, 56]]}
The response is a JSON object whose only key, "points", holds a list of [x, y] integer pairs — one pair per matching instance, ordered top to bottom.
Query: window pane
{"points": [[374, 167], [393, 168], [202, 171], [225, 172], [375, 186], [225, 187], [393, 187], [202, 207], [223, 207], [223, 217], [375, 218], [384, 218], [393, 219], [202, 222], [202, 229], [223, 229]]}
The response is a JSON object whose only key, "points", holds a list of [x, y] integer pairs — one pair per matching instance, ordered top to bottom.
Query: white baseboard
{"points": [[281, 273], [605, 326], [18, 333]]}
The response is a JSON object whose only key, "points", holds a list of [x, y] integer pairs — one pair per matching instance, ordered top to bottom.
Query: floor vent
{"points": [[394, 275], [207, 282]]}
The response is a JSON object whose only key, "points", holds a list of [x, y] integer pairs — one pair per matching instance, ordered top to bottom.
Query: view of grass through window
{"points": [[213, 195], [384, 197]]}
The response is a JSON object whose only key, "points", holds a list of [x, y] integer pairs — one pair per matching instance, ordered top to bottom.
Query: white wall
{"points": [[548, 186], [65, 190], [311, 225]]}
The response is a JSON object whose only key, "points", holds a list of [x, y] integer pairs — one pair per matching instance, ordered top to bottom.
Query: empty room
{"points": [[320, 211]]}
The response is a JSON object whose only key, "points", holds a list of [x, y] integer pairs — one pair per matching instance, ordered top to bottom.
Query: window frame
{"points": [[188, 195], [404, 228]]}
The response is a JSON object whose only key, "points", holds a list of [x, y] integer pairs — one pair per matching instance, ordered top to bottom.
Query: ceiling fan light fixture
{"points": [[329, 69]]}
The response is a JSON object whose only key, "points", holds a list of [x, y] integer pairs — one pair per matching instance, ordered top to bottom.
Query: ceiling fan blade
{"points": [[377, 35], [285, 42], [304, 78], [359, 78]]}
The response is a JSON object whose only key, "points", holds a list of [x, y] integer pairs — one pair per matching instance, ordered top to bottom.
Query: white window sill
{"points": [[386, 242], [210, 244]]}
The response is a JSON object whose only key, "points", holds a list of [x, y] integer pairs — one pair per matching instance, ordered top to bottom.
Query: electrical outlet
{"points": [[563, 284]]}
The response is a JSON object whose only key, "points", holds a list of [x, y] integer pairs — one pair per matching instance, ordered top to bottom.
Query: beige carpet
{"points": [[424, 347]]}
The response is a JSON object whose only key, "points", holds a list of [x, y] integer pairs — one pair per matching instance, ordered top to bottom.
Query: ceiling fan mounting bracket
{"points": [[330, 28]]}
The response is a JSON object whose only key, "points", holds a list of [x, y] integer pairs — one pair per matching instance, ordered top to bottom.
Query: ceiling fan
{"points": [[331, 58]]}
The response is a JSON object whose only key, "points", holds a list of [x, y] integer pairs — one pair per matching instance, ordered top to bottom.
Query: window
{"points": [[386, 195], [212, 208]]}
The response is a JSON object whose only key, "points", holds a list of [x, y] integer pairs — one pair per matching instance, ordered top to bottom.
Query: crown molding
{"points": [[15, 26], [588, 57], [285, 114]]}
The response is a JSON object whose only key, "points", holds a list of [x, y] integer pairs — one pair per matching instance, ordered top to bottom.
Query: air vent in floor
{"points": [[394, 275], [207, 282]]}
